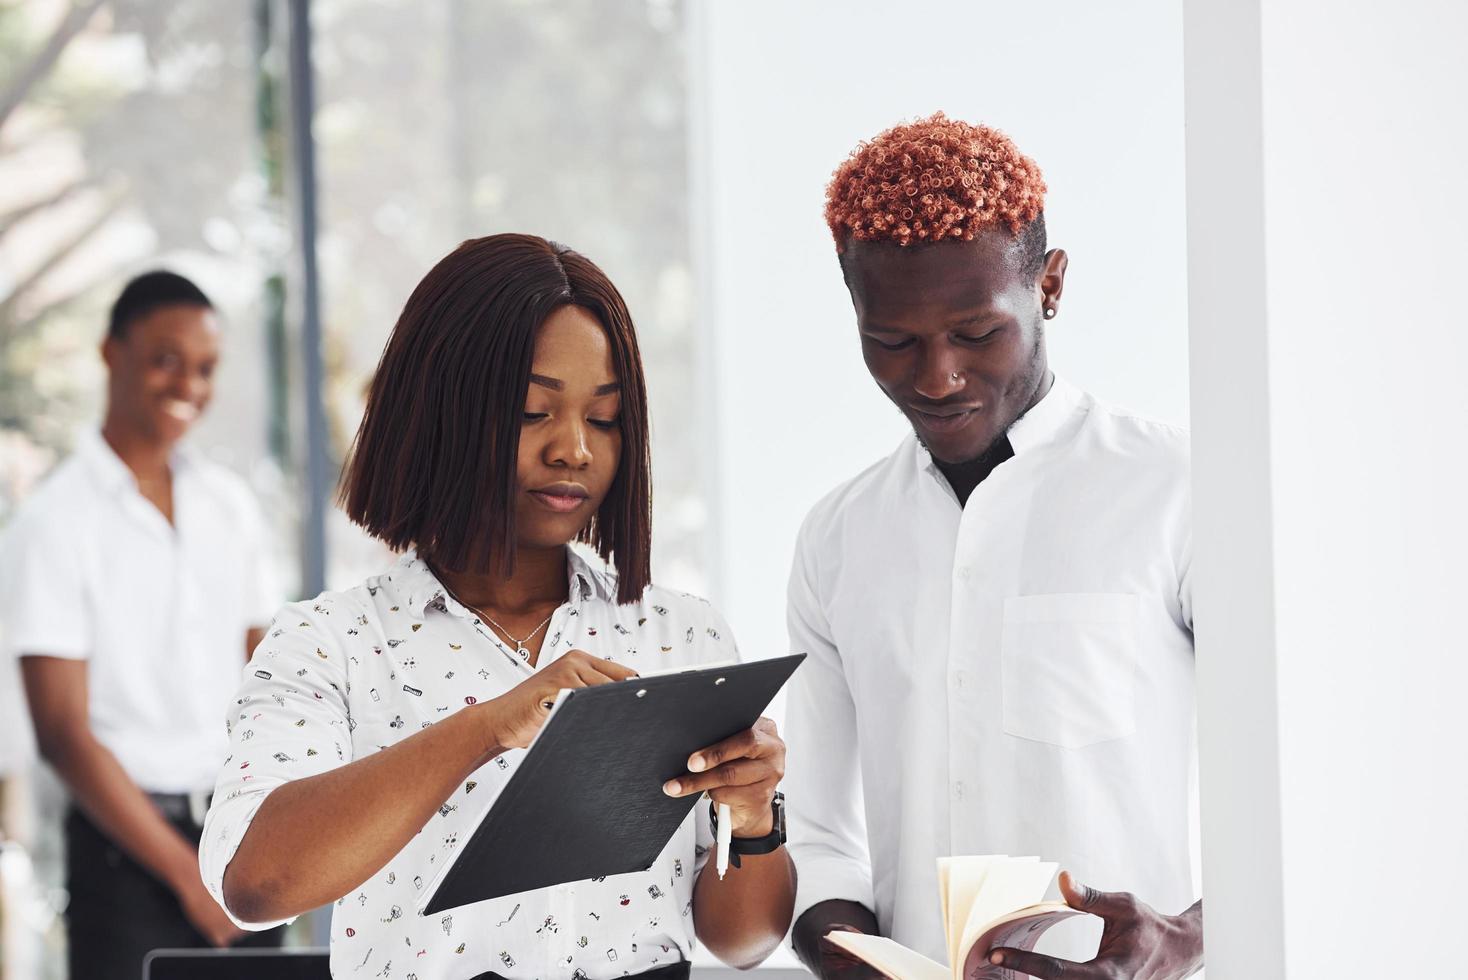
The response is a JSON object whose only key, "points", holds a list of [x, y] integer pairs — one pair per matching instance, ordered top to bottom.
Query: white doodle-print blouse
{"points": [[353, 672]]}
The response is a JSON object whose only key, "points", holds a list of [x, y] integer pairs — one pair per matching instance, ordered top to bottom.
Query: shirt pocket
{"points": [[1069, 666]]}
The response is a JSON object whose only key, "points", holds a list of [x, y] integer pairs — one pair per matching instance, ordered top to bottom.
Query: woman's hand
{"points": [[516, 716], [742, 771], [742, 918]]}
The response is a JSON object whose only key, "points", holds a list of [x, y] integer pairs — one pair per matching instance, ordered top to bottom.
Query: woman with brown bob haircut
{"points": [[507, 419]]}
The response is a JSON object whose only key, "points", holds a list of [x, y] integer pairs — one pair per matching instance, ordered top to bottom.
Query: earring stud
{"points": [[1049, 312]]}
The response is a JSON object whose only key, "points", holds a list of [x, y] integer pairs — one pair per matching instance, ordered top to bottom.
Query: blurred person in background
{"points": [[133, 585], [17, 749]]}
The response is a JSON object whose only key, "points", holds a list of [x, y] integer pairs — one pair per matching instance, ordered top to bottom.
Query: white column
{"points": [[1327, 199]]}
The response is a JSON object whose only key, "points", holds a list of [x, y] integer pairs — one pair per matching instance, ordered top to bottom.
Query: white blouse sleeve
{"points": [[289, 720]]}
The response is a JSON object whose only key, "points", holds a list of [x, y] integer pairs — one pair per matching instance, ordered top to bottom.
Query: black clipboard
{"points": [[587, 800]]}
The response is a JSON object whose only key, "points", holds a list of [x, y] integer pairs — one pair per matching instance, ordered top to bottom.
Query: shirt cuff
{"points": [[42, 645], [224, 828], [822, 876]]}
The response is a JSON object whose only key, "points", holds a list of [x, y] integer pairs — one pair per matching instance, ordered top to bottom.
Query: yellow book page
{"points": [[943, 865], [960, 879], [1008, 885], [891, 958]]}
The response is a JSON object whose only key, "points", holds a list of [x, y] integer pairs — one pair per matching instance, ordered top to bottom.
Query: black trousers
{"points": [[118, 912]]}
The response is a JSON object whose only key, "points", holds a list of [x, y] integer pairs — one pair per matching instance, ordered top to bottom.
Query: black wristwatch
{"points": [[772, 841]]}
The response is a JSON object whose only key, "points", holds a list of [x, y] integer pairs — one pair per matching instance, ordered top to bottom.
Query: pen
{"points": [[721, 856]]}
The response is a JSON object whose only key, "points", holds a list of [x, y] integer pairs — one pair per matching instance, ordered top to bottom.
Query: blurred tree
{"points": [[39, 66], [127, 137]]}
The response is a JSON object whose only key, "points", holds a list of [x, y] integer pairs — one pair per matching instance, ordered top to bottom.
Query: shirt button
{"points": [[965, 573], [958, 678], [958, 790]]}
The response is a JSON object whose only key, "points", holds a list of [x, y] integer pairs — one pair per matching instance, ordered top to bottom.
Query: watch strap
{"points": [[767, 844]]}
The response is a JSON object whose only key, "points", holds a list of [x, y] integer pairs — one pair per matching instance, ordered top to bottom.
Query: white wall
{"points": [[783, 92], [1326, 152]]}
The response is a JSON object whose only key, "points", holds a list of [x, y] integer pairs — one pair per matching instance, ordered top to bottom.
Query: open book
{"points": [[987, 902]]}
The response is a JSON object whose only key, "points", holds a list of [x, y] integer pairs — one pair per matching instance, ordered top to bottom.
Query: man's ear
{"points": [[1052, 279], [111, 352]]}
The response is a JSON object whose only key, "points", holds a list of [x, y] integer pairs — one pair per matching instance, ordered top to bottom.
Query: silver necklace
{"points": [[521, 650]]}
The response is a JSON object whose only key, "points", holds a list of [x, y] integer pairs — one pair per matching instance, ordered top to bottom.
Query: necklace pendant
{"points": [[524, 654]]}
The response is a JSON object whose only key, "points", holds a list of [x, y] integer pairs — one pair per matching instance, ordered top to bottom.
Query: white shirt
{"points": [[91, 570], [351, 673], [1010, 677], [17, 740]]}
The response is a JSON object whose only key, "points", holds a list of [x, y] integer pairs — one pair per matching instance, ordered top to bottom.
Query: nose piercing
{"points": [[955, 375]]}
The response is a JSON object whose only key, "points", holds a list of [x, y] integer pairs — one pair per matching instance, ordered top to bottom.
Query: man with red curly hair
{"points": [[998, 616]]}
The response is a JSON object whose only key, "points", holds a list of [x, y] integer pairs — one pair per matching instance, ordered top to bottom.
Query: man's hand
{"points": [[56, 689], [742, 771], [205, 915], [1138, 943], [821, 956], [837, 964]]}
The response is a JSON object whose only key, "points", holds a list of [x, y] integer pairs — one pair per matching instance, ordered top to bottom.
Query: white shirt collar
{"points": [[1042, 423], [1037, 428], [110, 471], [113, 475], [421, 590]]}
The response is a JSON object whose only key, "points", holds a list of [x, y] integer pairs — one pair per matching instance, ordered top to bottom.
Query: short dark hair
{"points": [[1029, 246], [152, 291], [434, 463]]}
